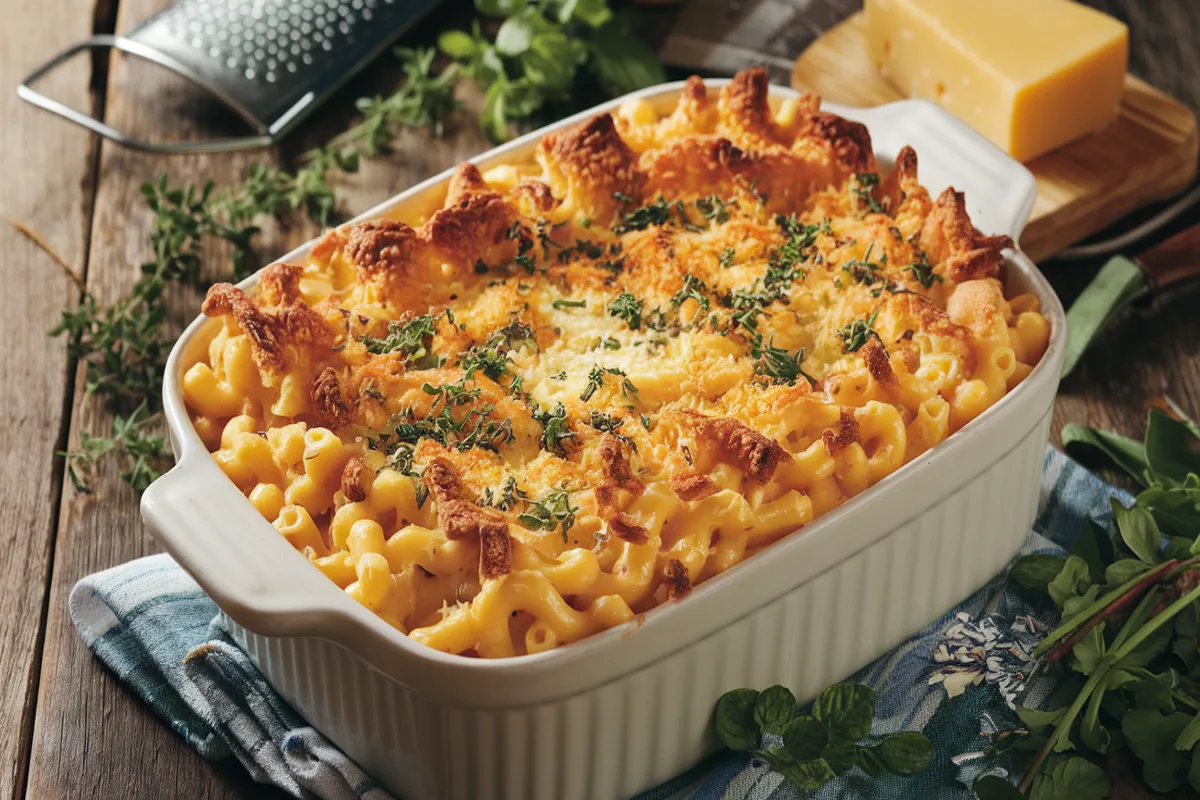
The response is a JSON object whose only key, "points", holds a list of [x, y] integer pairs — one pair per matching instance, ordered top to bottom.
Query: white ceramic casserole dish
{"points": [[628, 708]]}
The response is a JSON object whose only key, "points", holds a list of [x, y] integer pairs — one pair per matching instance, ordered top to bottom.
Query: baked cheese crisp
{"points": [[587, 383]]}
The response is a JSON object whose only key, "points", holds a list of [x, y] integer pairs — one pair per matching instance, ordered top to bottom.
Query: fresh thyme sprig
{"points": [[124, 346]]}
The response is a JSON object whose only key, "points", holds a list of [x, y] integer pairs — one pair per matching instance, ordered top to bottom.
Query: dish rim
{"points": [[345, 622]]}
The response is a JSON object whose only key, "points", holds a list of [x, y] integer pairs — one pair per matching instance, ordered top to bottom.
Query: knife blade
{"points": [[1124, 279]]}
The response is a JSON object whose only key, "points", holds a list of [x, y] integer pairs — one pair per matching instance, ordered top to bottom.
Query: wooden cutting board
{"points": [[1147, 154]]}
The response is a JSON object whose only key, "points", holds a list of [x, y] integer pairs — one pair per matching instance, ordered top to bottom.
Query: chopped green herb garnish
{"points": [[863, 186], [726, 258], [923, 272], [694, 289], [627, 307], [855, 334], [412, 338], [596, 380], [556, 428], [552, 511]]}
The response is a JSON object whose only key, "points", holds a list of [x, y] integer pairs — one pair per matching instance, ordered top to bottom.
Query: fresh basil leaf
{"points": [[499, 8], [516, 34], [457, 44], [622, 61], [553, 74], [522, 99], [495, 124], [1118, 282], [1171, 448], [1126, 453], [1176, 509], [1138, 531], [1094, 546], [1123, 571], [1034, 572], [1072, 580], [1088, 651], [774, 709], [847, 710], [734, 720], [1037, 721], [1189, 736], [805, 738], [906, 752], [809, 775], [1073, 778], [993, 787]]}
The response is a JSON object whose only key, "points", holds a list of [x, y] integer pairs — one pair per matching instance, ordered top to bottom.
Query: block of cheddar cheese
{"points": [[1031, 75]]}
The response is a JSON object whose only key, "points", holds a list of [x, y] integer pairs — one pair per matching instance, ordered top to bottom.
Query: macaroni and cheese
{"points": [[587, 383]]}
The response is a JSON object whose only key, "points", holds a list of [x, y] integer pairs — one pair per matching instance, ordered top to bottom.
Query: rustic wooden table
{"points": [[70, 729]]}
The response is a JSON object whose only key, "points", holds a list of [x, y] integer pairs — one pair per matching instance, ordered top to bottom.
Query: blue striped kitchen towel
{"points": [[150, 624]]}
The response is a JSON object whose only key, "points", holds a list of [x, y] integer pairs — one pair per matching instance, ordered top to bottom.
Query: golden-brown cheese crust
{"points": [[593, 163], [949, 239], [270, 332], [877, 361], [329, 402], [844, 433], [744, 447], [355, 476], [692, 486], [677, 581]]}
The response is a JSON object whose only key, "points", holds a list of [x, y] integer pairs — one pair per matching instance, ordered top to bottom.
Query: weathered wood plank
{"points": [[48, 175], [92, 737]]}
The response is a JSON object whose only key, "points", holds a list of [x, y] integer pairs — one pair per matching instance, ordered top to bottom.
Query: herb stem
{"points": [[1143, 582], [1087, 613], [1154, 624]]}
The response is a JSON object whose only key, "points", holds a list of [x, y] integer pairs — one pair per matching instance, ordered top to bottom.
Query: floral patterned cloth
{"points": [[957, 679]]}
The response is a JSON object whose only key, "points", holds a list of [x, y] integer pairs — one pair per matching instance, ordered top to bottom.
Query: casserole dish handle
{"points": [[257, 578]]}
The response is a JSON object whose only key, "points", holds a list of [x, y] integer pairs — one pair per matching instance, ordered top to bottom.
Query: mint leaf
{"points": [[1170, 448], [1126, 453], [1138, 531], [1094, 546], [1123, 571], [1035, 572], [1072, 580], [1088, 651], [774, 709], [846, 710], [734, 720], [805, 738], [906, 752]]}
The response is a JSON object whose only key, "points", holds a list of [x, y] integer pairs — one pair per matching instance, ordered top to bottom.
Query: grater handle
{"points": [[26, 92]]}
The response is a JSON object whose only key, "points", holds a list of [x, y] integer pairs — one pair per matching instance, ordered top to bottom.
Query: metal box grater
{"points": [[271, 61]]}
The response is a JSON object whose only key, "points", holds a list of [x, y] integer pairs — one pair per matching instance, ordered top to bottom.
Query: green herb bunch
{"points": [[538, 50], [124, 346], [1128, 638], [810, 749]]}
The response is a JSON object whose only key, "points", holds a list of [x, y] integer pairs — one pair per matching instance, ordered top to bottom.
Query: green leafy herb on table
{"points": [[538, 50], [124, 346], [1130, 628], [810, 749]]}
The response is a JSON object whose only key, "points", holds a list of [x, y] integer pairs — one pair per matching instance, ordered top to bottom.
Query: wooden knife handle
{"points": [[1174, 260]]}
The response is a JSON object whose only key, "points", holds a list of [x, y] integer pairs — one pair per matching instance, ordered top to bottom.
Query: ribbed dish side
{"points": [[624, 737]]}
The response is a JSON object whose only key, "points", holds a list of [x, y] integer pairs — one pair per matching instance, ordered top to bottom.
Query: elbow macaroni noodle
{"points": [[587, 383]]}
